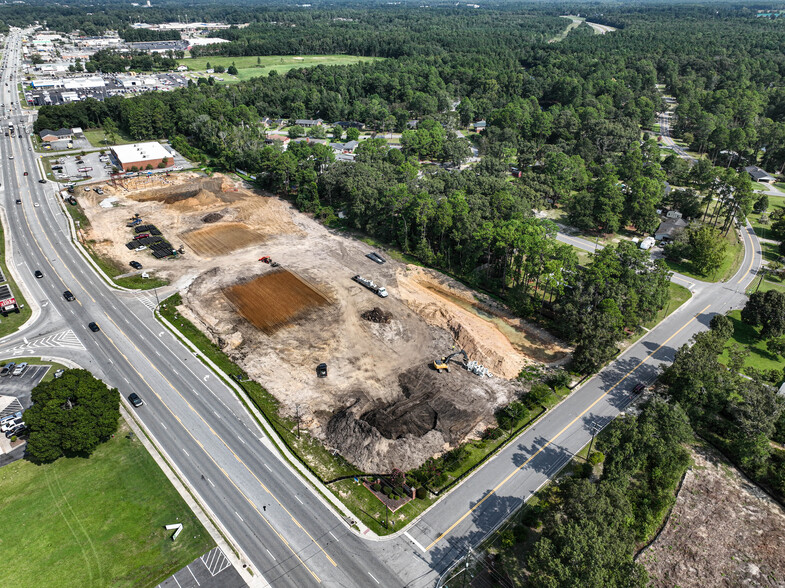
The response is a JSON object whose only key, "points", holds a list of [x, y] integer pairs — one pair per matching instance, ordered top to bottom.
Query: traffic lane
{"points": [[611, 387]]}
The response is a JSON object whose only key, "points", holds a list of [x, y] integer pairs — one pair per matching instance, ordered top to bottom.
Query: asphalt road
{"points": [[284, 529]]}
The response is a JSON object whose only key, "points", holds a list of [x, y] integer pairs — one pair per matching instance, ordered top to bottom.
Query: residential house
{"points": [[308, 123], [350, 124], [480, 126], [283, 139], [347, 147], [759, 175], [668, 229]]}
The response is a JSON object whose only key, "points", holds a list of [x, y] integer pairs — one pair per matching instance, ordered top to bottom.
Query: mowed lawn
{"points": [[248, 67], [761, 230], [734, 255], [747, 336], [95, 522]]}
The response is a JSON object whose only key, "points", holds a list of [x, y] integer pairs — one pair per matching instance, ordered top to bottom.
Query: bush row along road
{"points": [[282, 527]]}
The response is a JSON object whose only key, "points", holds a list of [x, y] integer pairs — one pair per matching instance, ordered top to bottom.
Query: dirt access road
{"points": [[382, 405]]}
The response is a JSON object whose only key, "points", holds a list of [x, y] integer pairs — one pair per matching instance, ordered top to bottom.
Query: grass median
{"points": [[14, 320], [97, 521]]}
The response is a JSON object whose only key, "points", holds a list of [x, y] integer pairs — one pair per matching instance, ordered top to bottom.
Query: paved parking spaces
{"points": [[98, 170], [21, 386], [212, 570]]}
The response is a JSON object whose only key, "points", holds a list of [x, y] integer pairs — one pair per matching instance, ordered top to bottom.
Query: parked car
{"points": [[136, 265], [38, 274], [68, 296], [93, 327], [7, 369], [20, 369], [58, 373], [134, 399], [11, 424], [18, 432]]}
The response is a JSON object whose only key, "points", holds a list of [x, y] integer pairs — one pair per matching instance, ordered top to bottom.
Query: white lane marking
{"points": [[126, 380], [216, 414], [163, 425], [261, 439], [241, 440], [184, 451], [268, 467], [211, 482], [298, 500], [238, 516], [333, 536], [413, 540], [271, 555], [192, 575], [175, 579], [374, 579]]}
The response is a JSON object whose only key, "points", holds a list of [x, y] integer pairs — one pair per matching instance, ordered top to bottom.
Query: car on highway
{"points": [[10, 157], [25, 173], [42, 181], [18, 201], [36, 204], [135, 265], [38, 274], [68, 296], [93, 327], [134, 399]]}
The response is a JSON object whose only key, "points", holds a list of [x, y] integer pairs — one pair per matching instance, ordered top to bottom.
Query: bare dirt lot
{"points": [[273, 300], [382, 405], [723, 531]]}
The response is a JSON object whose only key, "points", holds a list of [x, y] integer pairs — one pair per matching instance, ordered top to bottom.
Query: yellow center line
{"points": [[557, 435]]}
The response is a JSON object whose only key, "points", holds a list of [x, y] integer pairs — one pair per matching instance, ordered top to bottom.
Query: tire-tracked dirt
{"points": [[271, 301], [382, 405]]}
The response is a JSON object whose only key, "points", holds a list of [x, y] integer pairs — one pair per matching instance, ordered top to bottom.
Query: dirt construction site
{"points": [[382, 404]]}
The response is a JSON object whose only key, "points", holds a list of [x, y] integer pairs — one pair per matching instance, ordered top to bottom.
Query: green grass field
{"points": [[249, 67], [96, 138], [762, 230], [734, 255], [677, 295], [13, 321], [747, 337], [95, 522]]}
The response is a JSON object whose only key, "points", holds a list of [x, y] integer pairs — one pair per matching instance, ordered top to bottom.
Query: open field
{"points": [[251, 66], [97, 138], [271, 301], [747, 336], [382, 405], [97, 521], [723, 531]]}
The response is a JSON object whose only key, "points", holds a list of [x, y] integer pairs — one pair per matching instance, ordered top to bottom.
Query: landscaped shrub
{"points": [[540, 394], [492, 433], [596, 457], [376, 487], [386, 490], [422, 493]]}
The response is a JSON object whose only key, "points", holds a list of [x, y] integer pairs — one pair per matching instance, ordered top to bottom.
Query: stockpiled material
{"points": [[273, 300]]}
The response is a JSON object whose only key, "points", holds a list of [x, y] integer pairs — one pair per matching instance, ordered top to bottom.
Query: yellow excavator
{"points": [[442, 365]]}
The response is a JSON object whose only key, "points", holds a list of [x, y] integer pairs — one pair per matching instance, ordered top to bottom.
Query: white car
{"points": [[141, 248]]}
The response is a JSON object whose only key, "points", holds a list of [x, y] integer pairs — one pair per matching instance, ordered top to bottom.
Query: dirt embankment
{"points": [[382, 404], [723, 531]]}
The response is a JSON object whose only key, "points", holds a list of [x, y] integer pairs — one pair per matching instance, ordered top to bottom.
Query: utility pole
{"points": [[297, 416], [595, 428], [466, 567]]}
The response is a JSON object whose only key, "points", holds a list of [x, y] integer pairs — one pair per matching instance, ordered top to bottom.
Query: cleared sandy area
{"points": [[382, 405]]}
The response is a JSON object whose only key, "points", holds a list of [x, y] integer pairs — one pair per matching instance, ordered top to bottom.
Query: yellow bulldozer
{"points": [[442, 365]]}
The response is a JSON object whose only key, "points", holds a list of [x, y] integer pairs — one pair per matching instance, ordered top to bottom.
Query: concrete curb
{"points": [[322, 492], [199, 508]]}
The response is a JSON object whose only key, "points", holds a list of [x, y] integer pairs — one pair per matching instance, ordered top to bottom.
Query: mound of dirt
{"points": [[213, 217], [377, 315], [435, 411]]}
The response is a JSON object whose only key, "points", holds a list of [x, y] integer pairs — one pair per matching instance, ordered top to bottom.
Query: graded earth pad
{"points": [[221, 239], [273, 300], [723, 531]]}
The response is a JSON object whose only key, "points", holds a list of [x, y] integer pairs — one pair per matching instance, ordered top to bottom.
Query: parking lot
{"points": [[77, 143], [96, 169], [21, 386], [212, 570]]}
